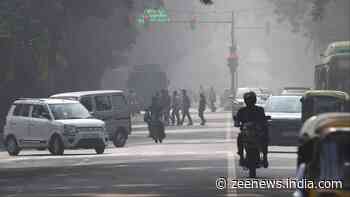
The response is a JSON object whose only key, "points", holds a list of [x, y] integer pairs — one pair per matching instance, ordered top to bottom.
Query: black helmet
{"points": [[249, 98]]}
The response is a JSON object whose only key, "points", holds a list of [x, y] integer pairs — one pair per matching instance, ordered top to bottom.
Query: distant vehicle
{"points": [[333, 73], [145, 80], [297, 91], [262, 95], [315, 102], [108, 105], [285, 123], [55, 124]]}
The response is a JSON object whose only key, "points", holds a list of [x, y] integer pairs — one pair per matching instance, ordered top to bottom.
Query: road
{"points": [[187, 163]]}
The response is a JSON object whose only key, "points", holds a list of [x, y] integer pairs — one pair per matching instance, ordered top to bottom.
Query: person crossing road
{"points": [[186, 105]]}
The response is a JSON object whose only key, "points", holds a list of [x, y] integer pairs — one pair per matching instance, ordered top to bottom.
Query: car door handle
{"points": [[12, 123], [31, 124]]}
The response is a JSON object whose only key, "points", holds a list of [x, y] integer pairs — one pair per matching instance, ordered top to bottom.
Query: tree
{"points": [[315, 19], [66, 44]]}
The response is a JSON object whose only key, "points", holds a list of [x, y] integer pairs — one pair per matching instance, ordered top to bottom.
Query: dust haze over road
{"points": [[57, 46], [193, 57]]}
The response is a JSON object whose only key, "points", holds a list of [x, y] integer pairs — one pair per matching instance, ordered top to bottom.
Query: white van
{"points": [[108, 105], [55, 124]]}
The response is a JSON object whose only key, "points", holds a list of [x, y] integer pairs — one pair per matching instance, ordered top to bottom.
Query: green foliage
{"points": [[297, 12], [321, 21]]}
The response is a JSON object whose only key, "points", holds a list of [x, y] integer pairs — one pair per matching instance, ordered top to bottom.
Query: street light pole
{"points": [[233, 52]]}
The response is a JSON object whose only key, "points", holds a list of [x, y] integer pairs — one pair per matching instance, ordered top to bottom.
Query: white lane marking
{"points": [[230, 156], [86, 158], [82, 162], [282, 168]]}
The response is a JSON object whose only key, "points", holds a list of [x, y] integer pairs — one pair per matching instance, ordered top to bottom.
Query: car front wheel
{"points": [[12, 146], [56, 146]]}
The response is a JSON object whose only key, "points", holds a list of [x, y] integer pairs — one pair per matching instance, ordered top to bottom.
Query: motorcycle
{"points": [[251, 140]]}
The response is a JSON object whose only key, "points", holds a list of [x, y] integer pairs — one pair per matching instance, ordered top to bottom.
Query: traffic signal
{"points": [[131, 21], [146, 21], [193, 22], [232, 59], [232, 63]]}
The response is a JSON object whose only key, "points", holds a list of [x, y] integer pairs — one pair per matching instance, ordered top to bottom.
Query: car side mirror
{"points": [[268, 117]]}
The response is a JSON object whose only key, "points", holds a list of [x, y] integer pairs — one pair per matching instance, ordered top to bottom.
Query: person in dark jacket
{"points": [[166, 105], [186, 105], [175, 108], [201, 108], [256, 114], [148, 119], [156, 126]]}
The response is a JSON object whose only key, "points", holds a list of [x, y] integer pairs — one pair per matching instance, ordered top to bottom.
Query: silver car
{"points": [[285, 123]]}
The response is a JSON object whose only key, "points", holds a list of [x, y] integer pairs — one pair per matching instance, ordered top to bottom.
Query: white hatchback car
{"points": [[55, 124]]}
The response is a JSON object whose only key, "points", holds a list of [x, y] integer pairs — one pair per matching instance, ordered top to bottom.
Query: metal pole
{"points": [[233, 29], [233, 50]]}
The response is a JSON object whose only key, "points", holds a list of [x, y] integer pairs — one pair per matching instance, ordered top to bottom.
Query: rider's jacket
{"points": [[251, 114], [254, 114]]}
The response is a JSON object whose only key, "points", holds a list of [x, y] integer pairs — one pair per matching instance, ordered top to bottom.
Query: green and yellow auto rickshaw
{"points": [[322, 101], [324, 156]]}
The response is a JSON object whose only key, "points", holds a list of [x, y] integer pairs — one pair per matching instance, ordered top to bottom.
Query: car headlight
{"points": [[69, 129]]}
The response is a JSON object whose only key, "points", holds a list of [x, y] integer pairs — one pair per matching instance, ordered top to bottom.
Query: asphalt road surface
{"points": [[187, 163]]}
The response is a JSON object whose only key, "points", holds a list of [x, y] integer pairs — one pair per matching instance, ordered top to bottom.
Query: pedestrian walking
{"points": [[212, 99], [186, 105], [166, 106], [175, 108], [201, 108], [156, 126]]}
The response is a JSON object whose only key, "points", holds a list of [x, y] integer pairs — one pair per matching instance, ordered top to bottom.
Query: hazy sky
{"points": [[194, 57]]}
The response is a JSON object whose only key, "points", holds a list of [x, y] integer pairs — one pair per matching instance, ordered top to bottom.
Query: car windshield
{"points": [[283, 104], [323, 104], [69, 111]]}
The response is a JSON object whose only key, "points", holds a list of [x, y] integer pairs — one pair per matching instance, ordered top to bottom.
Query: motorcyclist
{"points": [[256, 114]]}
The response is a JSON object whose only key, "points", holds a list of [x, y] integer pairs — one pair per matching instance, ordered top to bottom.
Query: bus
{"points": [[334, 71], [145, 80]]}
